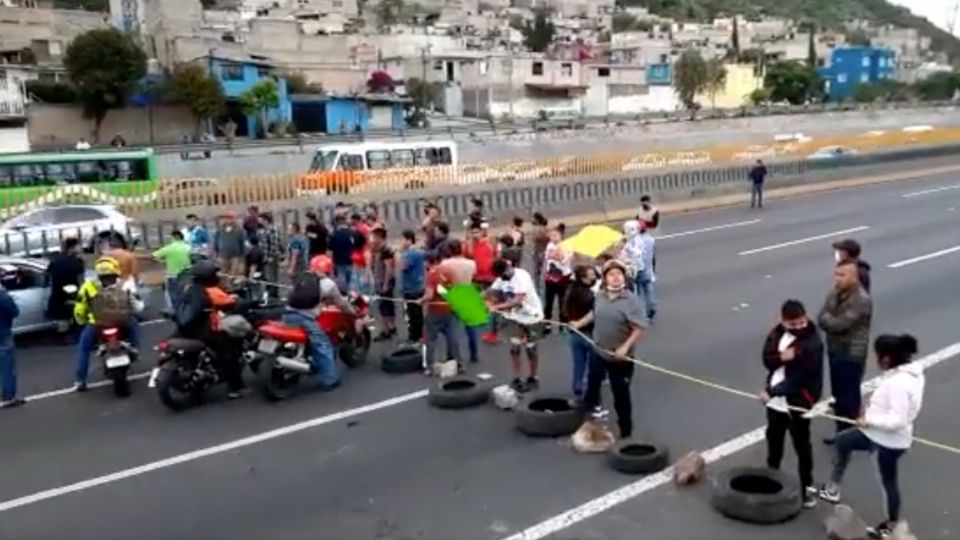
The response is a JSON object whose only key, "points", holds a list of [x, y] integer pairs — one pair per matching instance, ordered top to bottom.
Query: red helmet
{"points": [[321, 264]]}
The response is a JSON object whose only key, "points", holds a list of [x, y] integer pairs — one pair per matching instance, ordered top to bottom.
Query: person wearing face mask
{"points": [[848, 250], [514, 295], [577, 304], [618, 323], [793, 356]]}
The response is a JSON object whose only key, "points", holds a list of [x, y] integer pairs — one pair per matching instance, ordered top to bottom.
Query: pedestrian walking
{"points": [[757, 174], [649, 214], [228, 243], [272, 246], [848, 250], [298, 253], [175, 257], [383, 267], [457, 269], [557, 273], [646, 280], [412, 282], [514, 295], [578, 302], [440, 319], [845, 319], [618, 324], [793, 356], [8, 362], [886, 425]]}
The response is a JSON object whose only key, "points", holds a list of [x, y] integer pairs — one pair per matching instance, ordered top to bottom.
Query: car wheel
{"points": [[402, 360], [458, 393], [549, 415], [633, 457], [756, 495]]}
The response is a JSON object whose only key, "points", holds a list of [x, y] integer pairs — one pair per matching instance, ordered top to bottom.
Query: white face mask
{"points": [[837, 256]]}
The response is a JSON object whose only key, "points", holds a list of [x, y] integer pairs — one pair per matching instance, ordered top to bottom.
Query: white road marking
{"points": [[928, 191], [709, 229], [804, 240], [928, 256], [70, 390], [206, 452], [619, 496]]}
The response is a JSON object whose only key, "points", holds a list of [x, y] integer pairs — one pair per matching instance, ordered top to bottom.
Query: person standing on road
{"points": [[758, 174], [649, 214], [431, 216], [251, 222], [317, 234], [196, 235], [519, 240], [540, 240], [270, 243], [342, 244], [229, 245], [848, 250], [484, 251], [298, 253], [176, 259], [383, 267], [66, 268], [456, 269], [556, 274], [412, 278], [647, 278], [362, 279], [515, 297], [577, 304], [440, 318], [845, 318], [618, 324], [793, 356], [8, 362], [886, 425]]}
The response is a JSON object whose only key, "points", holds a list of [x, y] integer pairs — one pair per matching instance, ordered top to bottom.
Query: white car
{"points": [[832, 152], [42, 230], [25, 280]]}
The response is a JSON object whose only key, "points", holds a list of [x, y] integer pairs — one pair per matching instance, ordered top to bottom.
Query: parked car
{"points": [[832, 152], [41, 230], [25, 280]]}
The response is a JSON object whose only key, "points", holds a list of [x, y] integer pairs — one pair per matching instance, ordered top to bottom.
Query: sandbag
{"points": [[593, 438], [689, 469], [845, 524]]}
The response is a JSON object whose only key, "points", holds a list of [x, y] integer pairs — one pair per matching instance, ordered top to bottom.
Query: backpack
{"points": [[305, 293], [112, 306]]}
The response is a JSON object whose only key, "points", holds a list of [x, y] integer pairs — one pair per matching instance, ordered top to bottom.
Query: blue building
{"points": [[852, 66], [236, 76], [348, 114]]}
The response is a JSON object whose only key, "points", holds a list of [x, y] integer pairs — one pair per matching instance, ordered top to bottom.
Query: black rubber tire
{"points": [[356, 356], [402, 360], [121, 384], [278, 384], [459, 392], [173, 398], [549, 415], [634, 457], [779, 498]]}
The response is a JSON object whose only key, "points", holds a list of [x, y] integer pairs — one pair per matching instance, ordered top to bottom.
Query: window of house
{"points": [[866, 61], [438, 65], [537, 68], [566, 69], [231, 72], [603, 72], [48, 77], [865, 77], [841, 78]]}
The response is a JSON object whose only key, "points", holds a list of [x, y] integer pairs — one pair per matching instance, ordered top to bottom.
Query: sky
{"points": [[938, 11]]}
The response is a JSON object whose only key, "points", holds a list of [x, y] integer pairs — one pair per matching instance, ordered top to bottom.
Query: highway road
{"points": [[373, 461]]}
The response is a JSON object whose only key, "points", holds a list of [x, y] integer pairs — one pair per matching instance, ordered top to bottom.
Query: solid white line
{"points": [[928, 191], [709, 229], [804, 240], [928, 256], [70, 390], [206, 452], [605, 502]]}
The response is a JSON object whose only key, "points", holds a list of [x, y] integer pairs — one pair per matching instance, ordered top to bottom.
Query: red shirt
{"points": [[483, 252], [437, 305]]}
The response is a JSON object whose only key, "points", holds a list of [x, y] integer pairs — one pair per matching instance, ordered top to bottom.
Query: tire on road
{"points": [[355, 355], [402, 360], [171, 391], [458, 392], [548, 415], [634, 457], [756, 495]]}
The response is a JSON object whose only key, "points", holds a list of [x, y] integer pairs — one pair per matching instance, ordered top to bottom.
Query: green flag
{"points": [[467, 303]]}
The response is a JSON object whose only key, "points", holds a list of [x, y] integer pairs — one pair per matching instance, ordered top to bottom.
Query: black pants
{"points": [[756, 195], [554, 291], [414, 317], [227, 356], [620, 375], [846, 376], [778, 424]]}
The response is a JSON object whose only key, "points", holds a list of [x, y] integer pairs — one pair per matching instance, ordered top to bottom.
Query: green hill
{"points": [[826, 13]]}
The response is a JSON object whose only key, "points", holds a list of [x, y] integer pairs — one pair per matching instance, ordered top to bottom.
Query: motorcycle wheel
{"points": [[355, 354], [121, 384], [278, 384], [173, 390]]}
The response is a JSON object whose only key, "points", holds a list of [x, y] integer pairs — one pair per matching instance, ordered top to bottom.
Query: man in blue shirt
{"points": [[758, 173], [342, 245], [298, 253], [412, 276], [8, 365]]}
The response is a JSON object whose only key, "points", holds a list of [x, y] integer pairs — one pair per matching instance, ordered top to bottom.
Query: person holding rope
{"points": [[515, 296], [886, 425]]}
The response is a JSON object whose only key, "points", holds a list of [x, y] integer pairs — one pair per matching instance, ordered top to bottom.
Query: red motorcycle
{"points": [[284, 353]]}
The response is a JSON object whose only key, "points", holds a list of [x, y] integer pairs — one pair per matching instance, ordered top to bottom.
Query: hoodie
{"points": [[632, 252], [863, 269], [798, 382], [894, 406]]}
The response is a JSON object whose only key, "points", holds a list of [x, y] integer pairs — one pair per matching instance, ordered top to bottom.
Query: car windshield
{"points": [[324, 160]]}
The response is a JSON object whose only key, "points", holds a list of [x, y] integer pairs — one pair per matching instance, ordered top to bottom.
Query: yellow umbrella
{"points": [[592, 240]]}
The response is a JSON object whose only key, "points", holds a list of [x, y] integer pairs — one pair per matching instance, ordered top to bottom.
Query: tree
{"points": [[388, 12], [623, 22], [539, 35], [857, 37], [735, 38], [812, 56], [104, 67], [690, 77], [716, 79], [380, 82], [793, 82], [297, 84], [191, 85], [938, 87], [884, 90], [50, 92], [419, 92], [760, 96], [259, 99]]}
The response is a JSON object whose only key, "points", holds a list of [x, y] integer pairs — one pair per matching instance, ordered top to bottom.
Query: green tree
{"points": [[623, 22], [539, 35], [812, 46], [104, 67], [690, 78], [716, 79], [793, 82], [191, 85], [938, 87], [885, 90], [421, 95], [760, 96], [259, 99]]}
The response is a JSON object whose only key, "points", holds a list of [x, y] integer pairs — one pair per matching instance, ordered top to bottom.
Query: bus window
{"points": [[444, 156], [426, 157], [401, 158], [378, 159], [324, 160], [351, 162], [119, 170], [88, 172], [61, 173], [6, 175], [28, 175]]}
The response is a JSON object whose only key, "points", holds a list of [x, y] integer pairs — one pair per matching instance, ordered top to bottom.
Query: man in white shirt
{"points": [[514, 296]]}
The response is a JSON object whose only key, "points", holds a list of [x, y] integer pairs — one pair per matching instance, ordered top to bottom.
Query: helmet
{"points": [[321, 264], [106, 266], [205, 272]]}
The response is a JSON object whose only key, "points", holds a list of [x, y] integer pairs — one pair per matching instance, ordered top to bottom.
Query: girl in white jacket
{"points": [[886, 425]]}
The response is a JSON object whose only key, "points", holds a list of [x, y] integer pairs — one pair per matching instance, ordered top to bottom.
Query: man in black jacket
{"points": [[66, 268], [793, 356]]}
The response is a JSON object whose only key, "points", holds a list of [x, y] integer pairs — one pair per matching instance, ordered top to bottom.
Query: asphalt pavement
{"points": [[373, 460]]}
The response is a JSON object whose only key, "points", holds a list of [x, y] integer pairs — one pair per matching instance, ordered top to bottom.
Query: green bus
{"points": [[109, 176]]}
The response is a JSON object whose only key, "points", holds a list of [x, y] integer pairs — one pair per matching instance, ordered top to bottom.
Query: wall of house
{"points": [[741, 82], [655, 99], [525, 107], [63, 125]]}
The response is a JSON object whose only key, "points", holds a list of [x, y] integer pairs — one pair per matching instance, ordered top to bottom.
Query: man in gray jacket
{"points": [[845, 318]]}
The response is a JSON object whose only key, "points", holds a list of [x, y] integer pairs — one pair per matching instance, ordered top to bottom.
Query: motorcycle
{"points": [[284, 350], [117, 356]]}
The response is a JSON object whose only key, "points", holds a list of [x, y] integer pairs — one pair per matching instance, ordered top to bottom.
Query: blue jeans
{"points": [[756, 195], [343, 275], [644, 289], [174, 295], [445, 324], [473, 338], [89, 339], [321, 350], [580, 351], [8, 372], [846, 375], [853, 440]]}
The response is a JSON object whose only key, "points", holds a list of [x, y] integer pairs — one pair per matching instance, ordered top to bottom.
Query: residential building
{"points": [[852, 66], [237, 75], [740, 83], [527, 86], [623, 90], [12, 98], [336, 114]]}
